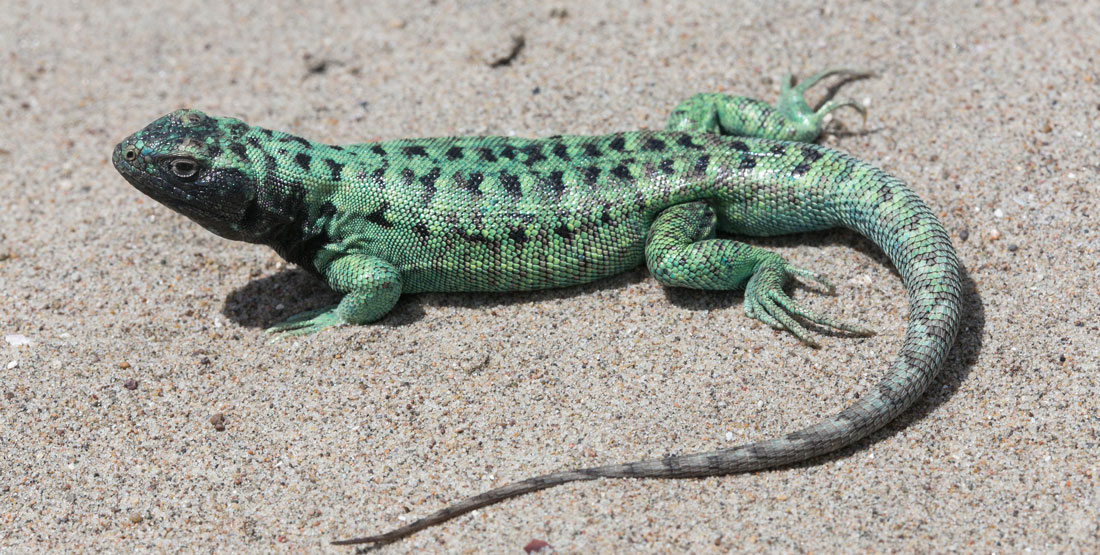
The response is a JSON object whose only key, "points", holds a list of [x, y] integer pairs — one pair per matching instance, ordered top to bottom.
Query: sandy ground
{"points": [[127, 327]]}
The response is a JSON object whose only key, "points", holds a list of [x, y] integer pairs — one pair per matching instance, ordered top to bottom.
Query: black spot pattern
{"points": [[238, 128], [296, 139], [686, 142], [618, 143], [653, 145], [377, 149], [592, 150], [239, 151], [414, 151], [561, 151], [454, 153], [487, 154], [534, 154], [809, 156], [303, 160], [702, 164], [666, 166], [335, 167], [622, 172], [591, 175], [428, 181], [555, 182], [472, 183], [511, 184], [379, 216], [605, 216], [563, 231]]}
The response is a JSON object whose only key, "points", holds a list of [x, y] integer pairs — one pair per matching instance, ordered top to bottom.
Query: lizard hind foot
{"points": [[792, 103], [765, 301]]}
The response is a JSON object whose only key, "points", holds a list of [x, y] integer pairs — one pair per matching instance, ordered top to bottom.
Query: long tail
{"points": [[881, 208]]}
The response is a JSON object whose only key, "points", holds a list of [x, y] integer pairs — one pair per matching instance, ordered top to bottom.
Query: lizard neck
{"points": [[297, 180]]}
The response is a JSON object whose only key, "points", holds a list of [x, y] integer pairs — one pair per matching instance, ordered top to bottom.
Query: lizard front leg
{"points": [[370, 285]]}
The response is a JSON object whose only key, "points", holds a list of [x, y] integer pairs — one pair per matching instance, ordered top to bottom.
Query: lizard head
{"points": [[195, 165]]}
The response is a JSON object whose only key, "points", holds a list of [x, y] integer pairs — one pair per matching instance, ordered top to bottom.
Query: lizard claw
{"points": [[805, 84], [847, 103], [793, 105], [766, 301], [305, 323]]}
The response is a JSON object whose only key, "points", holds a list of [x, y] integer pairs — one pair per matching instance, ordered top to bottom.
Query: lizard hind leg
{"points": [[791, 119], [682, 251]]}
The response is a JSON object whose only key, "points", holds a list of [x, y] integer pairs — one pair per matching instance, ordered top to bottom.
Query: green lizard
{"points": [[509, 214]]}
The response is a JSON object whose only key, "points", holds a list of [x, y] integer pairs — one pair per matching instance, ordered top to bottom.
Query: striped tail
{"points": [[881, 208]]}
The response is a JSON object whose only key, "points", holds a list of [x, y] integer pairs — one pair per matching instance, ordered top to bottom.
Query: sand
{"points": [[128, 328]]}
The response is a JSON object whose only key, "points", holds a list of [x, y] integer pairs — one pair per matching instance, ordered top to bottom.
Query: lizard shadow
{"points": [[267, 301], [957, 366]]}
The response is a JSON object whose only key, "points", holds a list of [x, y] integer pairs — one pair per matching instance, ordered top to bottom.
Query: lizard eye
{"points": [[184, 168]]}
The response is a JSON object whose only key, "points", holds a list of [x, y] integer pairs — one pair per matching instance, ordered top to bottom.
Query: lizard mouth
{"points": [[136, 169], [221, 211]]}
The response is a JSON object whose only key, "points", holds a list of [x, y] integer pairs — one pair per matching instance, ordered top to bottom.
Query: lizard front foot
{"points": [[310, 321]]}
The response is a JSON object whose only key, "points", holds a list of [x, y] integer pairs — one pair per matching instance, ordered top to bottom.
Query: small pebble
{"points": [[994, 235], [1013, 247], [16, 339], [124, 365], [130, 384], [218, 420], [536, 546]]}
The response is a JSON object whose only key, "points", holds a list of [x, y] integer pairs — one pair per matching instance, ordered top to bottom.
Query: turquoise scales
{"points": [[504, 214]]}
